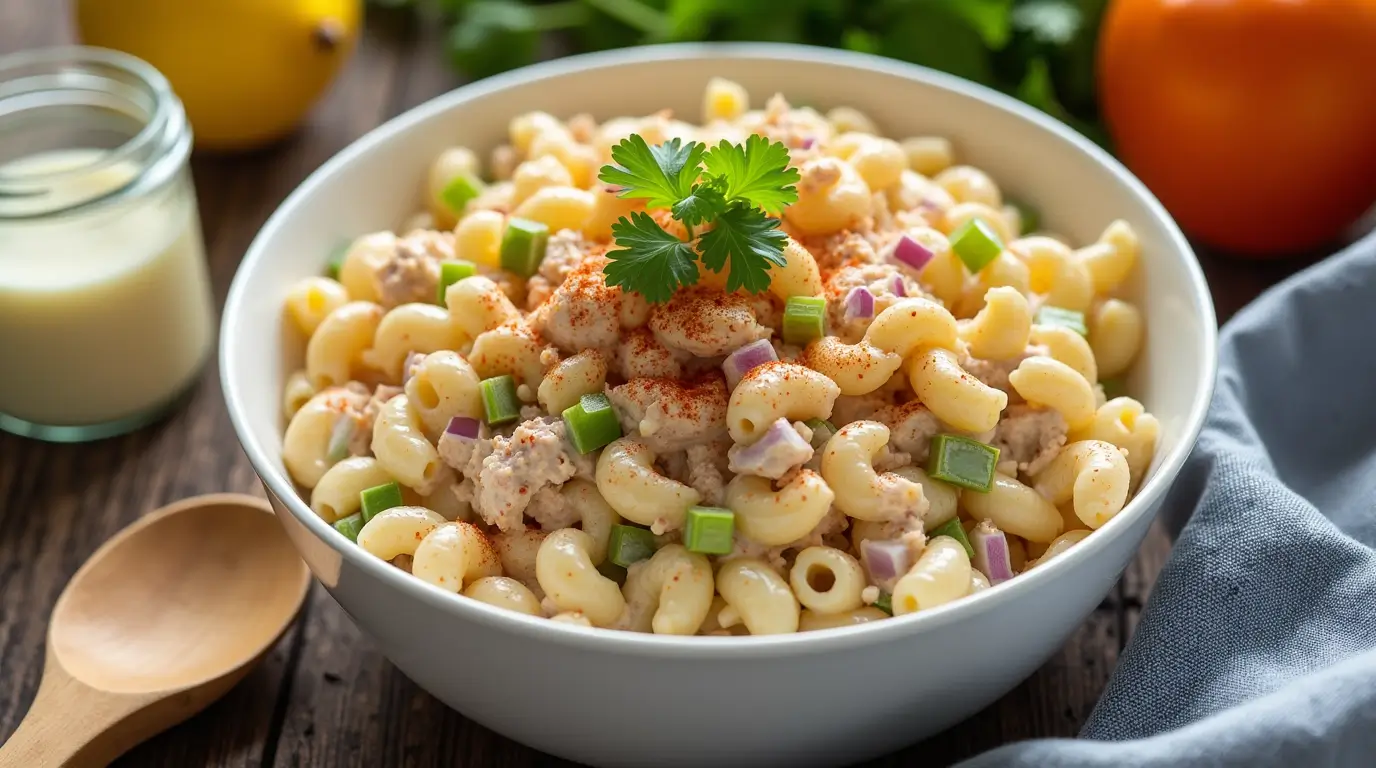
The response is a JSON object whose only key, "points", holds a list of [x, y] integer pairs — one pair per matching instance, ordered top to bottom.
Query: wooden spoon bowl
{"points": [[162, 620]]}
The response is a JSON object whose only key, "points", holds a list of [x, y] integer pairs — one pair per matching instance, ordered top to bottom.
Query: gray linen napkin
{"points": [[1258, 644]]}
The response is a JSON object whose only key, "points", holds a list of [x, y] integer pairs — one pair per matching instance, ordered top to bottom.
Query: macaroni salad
{"points": [[823, 379]]}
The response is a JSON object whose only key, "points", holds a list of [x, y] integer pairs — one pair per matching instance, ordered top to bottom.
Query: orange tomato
{"points": [[1254, 121]]}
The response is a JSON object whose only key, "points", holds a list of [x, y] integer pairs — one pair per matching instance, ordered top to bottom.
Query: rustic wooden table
{"points": [[325, 696]]}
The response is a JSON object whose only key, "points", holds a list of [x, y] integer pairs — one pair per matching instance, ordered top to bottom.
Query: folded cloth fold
{"points": [[1257, 646]]}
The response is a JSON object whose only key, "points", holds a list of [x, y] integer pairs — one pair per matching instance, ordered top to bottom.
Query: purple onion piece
{"points": [[809, 141], [910, 253], [899, 288], [859, 304], [752, 355], [463, 427], [343, 432], [774, 455], [991, 553], [885, 560]]}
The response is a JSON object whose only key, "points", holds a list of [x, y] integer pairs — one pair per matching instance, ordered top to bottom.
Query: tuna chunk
{"points": [[564, 252], [412, 274], [881, 280], [583, 312], [705, 322], [641, 356], [994, 373], [672, 415], [911, 428], [1030, 436], [536, 455], [705, 472], [551, 511]]}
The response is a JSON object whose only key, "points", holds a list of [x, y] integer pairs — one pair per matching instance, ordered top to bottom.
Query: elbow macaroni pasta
{"points": [[311, 300], [1002, 327], [410, 328], [1115, 334], [339, 343], [1068, 347], [1049, 382], [564, 384], [443, 386], [779, 390], [956, 397], [1124, 423], [402, 448], [1093, 475], [627, 480], [862, 493], [336, 495], [1015, 509], [521, 518], [775, 518], [454, 554], [940, 575], [827, 580], [571, 581], [506, 593], [671, 593], [757, 597]]}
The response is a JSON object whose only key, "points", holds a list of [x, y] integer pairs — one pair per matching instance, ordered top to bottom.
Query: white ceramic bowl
{"points": [[623, 699]]}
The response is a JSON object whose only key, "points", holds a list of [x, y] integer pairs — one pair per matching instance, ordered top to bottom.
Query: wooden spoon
{"points": [[161, 621]]}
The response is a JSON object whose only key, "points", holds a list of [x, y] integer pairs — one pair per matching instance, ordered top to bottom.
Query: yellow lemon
{"points": [[246, 70]]}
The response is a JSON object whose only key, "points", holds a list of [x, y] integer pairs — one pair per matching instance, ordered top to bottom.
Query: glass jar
{"points": [[106, 315]]}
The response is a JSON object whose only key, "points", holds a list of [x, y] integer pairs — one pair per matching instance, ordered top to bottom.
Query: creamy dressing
{"points": [[104, 313]]}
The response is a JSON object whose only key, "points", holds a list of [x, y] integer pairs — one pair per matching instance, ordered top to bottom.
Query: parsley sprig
{"points": [[732, 187]]}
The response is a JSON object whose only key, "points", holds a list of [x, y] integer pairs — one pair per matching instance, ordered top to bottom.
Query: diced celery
{"points": [[804, 319], [592, 423], [963, 462], [709, 530]]}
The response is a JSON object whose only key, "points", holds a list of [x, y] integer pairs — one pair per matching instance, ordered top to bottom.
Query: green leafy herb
{"points": [[1042, 51], [757, 172], [660, 175], [730, 186], [750, 241], [653, 262]]}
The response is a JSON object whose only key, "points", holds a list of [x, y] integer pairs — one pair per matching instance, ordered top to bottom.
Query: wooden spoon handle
{"points": [[72, 725]]}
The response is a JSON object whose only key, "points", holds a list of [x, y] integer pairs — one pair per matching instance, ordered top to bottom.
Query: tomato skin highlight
{"points": [[1254, 121]]}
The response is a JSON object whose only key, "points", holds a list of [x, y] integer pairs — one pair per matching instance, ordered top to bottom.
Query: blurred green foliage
{"points": [[1041, 51]]}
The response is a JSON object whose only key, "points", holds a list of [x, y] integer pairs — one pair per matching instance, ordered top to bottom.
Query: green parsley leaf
{"points": [[757, 172], [660, 175], [706, 202], [750, 240], [650, 262]]}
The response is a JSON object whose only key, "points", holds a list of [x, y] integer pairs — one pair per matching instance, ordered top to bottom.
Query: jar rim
{"points": [[158, 148]]}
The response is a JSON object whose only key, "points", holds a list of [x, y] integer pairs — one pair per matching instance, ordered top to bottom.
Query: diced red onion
{"points": [[809, 141], [910, 253], [899, 288], [859, 304], [752, 355], [407, 368], [464, 427], [340, 436], [780, 437], [991, 552], [885, 560]]}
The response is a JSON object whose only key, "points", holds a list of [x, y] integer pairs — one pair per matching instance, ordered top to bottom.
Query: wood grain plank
{"points": [[86, 493]]}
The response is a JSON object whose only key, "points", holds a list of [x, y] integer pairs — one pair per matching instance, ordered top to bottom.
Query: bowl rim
{"points": [[704, 647]]}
